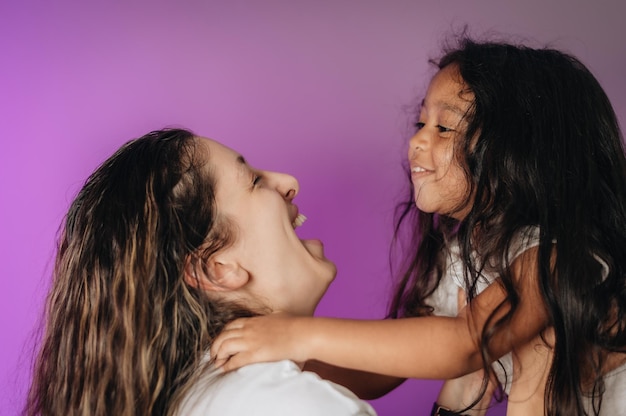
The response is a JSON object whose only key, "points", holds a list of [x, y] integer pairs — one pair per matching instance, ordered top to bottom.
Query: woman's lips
{"points": [[298, 221]]}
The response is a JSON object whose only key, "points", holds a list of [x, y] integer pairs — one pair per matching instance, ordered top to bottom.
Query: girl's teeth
{"points": [[300, 219]]}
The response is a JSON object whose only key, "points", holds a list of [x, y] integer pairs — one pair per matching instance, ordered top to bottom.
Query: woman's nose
{"points": [[285, 184]]}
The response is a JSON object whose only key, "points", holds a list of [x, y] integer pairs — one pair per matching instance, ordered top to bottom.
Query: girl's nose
{"points": [[416, 143], [285, 184]]}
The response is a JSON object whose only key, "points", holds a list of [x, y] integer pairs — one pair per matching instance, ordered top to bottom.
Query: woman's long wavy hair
{"points": [[542, 148], [124, 334]]}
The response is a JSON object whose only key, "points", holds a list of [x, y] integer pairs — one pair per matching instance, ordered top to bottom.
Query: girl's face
{"points": [[439, 182], [284, 273]]}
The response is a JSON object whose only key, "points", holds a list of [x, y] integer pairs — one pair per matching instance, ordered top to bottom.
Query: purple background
{"points": [[321, 89]]}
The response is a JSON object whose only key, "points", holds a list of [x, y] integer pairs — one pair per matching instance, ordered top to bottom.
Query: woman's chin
{"points": [[315, 247]]}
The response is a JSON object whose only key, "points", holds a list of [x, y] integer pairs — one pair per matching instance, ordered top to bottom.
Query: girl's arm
{"points": [[424, 347], [432, 347], [458, 393]]}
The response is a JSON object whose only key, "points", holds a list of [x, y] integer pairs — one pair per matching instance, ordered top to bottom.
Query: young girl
{"points": [[518, 175]]}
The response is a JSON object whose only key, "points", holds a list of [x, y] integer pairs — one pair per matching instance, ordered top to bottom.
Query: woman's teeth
{"points": [[300, 219]]}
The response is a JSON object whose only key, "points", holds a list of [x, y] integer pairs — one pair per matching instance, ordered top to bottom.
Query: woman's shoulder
{"points": [[277, 388]]}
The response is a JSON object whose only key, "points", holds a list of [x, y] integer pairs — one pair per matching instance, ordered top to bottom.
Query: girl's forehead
{"points": [[447, 92]]}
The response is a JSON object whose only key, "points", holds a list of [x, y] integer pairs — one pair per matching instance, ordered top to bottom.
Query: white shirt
{"points": [[276, 389]]}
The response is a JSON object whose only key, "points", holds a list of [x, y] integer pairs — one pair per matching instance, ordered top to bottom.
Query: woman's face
{"points": [[439, 182], [285, 274]]}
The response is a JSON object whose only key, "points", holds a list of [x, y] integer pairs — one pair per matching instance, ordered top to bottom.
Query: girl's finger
{"points": [[236, 324], [223, 344], [228, 347], [237, 361], [219, 362]]}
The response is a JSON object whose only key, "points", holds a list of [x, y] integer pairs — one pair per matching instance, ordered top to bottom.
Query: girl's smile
{"points": [[440, 185]]}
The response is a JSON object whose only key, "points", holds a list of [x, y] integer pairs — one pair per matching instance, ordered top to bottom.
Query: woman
{"points": [[170, 239]]}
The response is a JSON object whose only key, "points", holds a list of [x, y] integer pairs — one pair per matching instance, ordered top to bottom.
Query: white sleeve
{"points": [[524, 239], [274, 389]]}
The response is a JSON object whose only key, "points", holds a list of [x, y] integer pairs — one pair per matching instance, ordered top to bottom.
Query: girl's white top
{"points": [[445, 303]]}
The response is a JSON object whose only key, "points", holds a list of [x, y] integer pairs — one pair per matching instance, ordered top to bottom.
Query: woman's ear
{"points": [[220, 275]]}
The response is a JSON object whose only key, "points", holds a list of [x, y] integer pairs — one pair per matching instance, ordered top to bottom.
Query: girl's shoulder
{"points": [[528, 237], [524, 239]]}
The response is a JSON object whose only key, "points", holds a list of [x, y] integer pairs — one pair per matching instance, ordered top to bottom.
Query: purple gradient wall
{"points": [[320, 89]]}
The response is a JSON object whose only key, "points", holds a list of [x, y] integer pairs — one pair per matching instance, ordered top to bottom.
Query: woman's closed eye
{"points": [[256, 179]]}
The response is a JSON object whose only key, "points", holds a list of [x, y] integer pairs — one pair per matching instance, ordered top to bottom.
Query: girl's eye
{"points": [[442, 129]]}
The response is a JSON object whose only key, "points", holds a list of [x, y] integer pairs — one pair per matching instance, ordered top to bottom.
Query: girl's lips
{"points": [[419, 169], [419, 172], [418, 175]]}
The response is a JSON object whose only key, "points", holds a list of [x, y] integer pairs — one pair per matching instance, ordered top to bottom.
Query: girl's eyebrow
{"points": [[446, 106], [453, 108]]}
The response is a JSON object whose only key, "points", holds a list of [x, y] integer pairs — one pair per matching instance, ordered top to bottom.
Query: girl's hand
{"points": [[260, 339]]}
